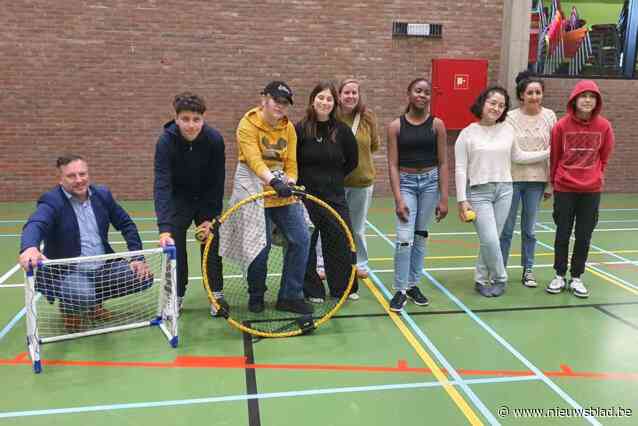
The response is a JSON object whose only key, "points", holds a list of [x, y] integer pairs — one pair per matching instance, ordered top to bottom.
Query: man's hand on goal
{"points": [[165, 239], [30, 256], [141, 269]]}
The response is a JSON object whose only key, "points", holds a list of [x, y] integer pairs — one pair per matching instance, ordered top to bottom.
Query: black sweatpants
{"points": [[581, 208], [185, 215], [336, 252]]}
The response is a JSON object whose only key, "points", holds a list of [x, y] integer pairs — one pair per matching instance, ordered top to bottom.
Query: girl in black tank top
{"points": [[417, 144], [417, 163]]}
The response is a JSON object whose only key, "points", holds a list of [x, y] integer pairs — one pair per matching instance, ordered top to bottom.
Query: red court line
{"points": [[239, 362]]}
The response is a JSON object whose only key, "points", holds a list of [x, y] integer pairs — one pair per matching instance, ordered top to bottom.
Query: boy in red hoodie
{"points": [[582, 142]]}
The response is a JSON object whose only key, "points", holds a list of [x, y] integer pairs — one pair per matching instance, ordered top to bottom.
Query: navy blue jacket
{"points": [[188, 173], [54, 222]]}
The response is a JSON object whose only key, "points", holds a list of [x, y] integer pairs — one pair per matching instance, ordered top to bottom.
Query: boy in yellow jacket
{"points": [[267, 145]]}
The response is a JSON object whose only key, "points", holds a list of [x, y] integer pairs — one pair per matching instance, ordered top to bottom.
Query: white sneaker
{"points": [[556, 285], [578, 288], [353, 296]]}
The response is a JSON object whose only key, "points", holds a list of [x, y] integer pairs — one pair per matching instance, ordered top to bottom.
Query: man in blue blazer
{"points": [[73, 220]]}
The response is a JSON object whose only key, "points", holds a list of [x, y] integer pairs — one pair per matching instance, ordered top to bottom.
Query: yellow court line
{"points": [[380, 259], [614, 282], [438, 373]]}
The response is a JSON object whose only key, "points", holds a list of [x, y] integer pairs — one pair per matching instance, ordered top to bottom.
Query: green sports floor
{"points": [[524, 358]]}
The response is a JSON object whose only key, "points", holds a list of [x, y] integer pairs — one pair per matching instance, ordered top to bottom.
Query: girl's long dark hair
{"points": [[309, 123]]}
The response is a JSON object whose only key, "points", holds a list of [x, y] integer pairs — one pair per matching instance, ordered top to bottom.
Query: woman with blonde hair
{"points": [[359, 184]]}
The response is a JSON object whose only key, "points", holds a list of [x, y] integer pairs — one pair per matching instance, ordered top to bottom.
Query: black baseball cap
{"points": [[278, 89]]}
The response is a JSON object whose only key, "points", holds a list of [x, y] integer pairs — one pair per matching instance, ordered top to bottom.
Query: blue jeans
{"points": [[420, 193], [530, 195], [359, 200], [491, 203], [290, 222], [81, 289]]}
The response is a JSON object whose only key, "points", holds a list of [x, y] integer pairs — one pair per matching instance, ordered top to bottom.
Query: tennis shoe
{"points": [[528, 279], [556, 285], [578, 288], [483, 290], [415, 295], [398, 301], [256, 304], [297, 306], [223, 310]]}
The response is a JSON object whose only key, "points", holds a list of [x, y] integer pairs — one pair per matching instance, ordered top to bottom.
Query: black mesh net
{"points": [[262, 268]]}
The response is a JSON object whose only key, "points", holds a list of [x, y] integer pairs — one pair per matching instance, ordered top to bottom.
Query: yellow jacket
{"points": [[264, 147]]}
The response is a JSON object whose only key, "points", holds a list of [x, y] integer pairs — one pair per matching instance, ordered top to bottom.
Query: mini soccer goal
{"points": [[85, 296]]}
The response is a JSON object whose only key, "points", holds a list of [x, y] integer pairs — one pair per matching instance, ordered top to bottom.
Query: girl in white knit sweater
{"points": [[532, 125], [484, 152]]}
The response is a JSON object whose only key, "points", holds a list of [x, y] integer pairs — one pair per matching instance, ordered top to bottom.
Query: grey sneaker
{"points": [[528, 279], [556, 285], [578, 288], [497, 289], [483, 290]]}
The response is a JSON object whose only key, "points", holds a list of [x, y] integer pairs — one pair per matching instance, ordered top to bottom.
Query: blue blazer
{"points": [[55, 223]]}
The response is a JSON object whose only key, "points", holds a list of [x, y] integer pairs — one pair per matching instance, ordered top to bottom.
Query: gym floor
{"points": [[524, 358]]}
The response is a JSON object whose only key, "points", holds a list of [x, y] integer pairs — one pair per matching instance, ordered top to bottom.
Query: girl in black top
{"points": [[326, 153], [417, 162]]}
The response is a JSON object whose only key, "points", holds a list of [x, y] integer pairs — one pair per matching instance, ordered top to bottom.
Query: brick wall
{"points": [[97, 77], [621, 110]]}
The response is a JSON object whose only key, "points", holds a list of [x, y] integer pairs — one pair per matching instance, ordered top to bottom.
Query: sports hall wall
{"points": [[97, 77]]}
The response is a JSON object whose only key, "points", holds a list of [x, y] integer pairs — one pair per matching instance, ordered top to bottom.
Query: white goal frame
{"points": [[165, 316]]}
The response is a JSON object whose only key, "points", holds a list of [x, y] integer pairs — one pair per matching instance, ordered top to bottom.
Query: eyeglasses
{"points": [[495, 104]]}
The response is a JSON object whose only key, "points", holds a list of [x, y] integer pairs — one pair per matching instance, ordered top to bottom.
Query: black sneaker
{"points": [[528, 279], [415, 295], [398, 301], [256, 305], [297, 306], [223, 310]]}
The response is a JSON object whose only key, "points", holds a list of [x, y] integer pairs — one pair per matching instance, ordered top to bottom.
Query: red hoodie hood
{"points": [[582, 87], [580, 149]]}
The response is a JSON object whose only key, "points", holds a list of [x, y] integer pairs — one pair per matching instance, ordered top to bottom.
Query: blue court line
{"points": [[609, 253], [7, 328], [438, 355], [537, 372], [244, 397]]}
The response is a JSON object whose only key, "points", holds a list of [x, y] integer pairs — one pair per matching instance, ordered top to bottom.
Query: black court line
{"points": [[488, 310], [458, 311], [611, 314], [257, 339], [251, 381]]}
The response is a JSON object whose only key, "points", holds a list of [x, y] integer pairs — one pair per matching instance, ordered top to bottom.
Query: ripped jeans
{"points": [[420, 192]]}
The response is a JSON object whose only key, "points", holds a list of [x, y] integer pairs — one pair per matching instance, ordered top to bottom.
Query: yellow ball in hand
{"points": [[469, 216]]}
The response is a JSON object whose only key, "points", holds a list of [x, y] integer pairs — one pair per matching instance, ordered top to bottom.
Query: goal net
{"points": [[84, 296]]}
